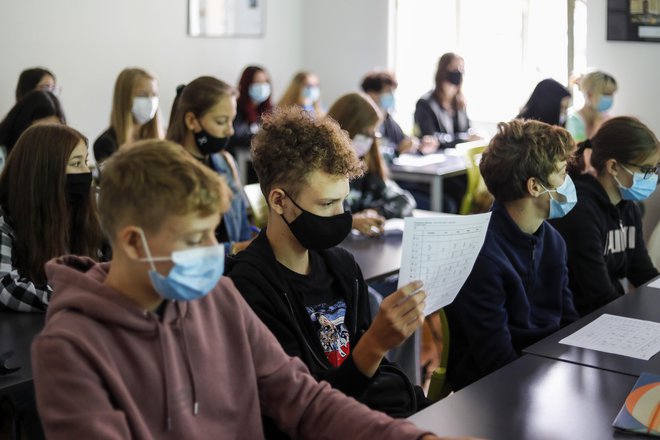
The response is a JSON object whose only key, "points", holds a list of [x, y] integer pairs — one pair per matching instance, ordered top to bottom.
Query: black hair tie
{"points": [[179, 89], [583, 146]]}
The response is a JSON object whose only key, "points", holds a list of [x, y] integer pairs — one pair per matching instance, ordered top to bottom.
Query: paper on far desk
{"points": [[414, 160], [441, 252], [655, 284], [618, 335]]}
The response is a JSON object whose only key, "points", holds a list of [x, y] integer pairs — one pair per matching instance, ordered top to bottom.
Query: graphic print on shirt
{"points": [[620, 239], [333, 334]]}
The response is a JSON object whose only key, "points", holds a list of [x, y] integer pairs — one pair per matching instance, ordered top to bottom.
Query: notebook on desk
{"points": [[641, 410]]}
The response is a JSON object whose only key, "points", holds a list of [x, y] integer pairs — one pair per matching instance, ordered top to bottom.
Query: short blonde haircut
{"points": [[597, 83], [150, 180]]}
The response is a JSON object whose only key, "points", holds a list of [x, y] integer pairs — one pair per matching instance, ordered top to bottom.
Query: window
{"points": [[508, 47]]}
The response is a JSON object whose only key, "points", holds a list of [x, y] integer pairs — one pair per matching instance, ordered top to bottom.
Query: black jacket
{"points": [[429, 123], [105, 145], [605, 244], [256, 274]]}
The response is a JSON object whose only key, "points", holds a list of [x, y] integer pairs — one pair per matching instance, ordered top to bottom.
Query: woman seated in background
{"points": [[36, 78], [598, 89], [305, 92], [254, 100], [548, 103], [34, 108], [441, 111], [134, 113], [201, 121], [373, 197], [47, 209], [603, 233]]}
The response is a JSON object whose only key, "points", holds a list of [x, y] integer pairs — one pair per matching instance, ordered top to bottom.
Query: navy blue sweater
{"points": [[516, 294]]}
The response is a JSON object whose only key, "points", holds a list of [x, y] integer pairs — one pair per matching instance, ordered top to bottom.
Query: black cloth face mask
{"points": [[455, 77], [208, 144], [78, 186], [317, 232]]}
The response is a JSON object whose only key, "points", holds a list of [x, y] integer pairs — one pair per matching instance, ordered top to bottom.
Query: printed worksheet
{"points": [[441, 252], [655, 284], [618, 335]]}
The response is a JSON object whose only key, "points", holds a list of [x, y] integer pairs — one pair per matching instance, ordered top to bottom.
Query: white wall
{"points": [[343, 40], [87, 43], [635, 66]]}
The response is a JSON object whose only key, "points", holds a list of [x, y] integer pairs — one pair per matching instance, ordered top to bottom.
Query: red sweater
{"points": [[105, 368]]}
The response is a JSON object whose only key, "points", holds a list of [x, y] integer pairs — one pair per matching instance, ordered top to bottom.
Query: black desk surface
{"points": [[378, 257], [644, 304], [16, 333], [533, 398]]}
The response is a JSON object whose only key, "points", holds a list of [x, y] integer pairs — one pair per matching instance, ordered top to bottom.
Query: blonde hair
{"points": [[596, 83], [293, 93], [355, 112], [121, 118], [150, 180]]}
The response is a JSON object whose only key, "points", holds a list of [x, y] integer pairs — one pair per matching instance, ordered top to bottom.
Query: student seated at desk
{"points": [[36, 78], [598, 89], [304, 91], [254, 101], [548, 103], [134, 113], [201, 121], [374, 197], [47, 209], [604, 232], [309, 292], [517, 292], [156, 344]]}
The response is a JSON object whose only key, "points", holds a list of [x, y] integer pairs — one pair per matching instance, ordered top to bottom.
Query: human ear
{"points": [[191, 122], [612, 167], [534, 187], [276, 200], [129, 242]]}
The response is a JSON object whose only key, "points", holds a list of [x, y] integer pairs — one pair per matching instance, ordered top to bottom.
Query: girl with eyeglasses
{"points": [[603, 233]]}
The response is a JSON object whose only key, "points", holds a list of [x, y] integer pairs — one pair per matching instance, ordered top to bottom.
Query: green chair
{"points": [[471, 152], [439, 386]]}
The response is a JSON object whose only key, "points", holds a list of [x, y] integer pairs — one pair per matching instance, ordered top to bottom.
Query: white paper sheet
{"points": [[414, 160], [441, 252], [655, 284], [618, 335]]}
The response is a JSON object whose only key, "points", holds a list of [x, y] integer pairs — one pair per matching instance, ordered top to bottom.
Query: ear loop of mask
{"points": [[622, 185], [149, 258]]}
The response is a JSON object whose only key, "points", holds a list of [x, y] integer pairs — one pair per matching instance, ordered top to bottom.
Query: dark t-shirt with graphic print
{"points": [[326, 308]]}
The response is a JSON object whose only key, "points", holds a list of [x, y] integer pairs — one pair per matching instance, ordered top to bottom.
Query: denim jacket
{"points": [[235, 220]]}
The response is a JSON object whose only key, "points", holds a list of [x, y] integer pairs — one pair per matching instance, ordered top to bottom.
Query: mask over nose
{"points": [[641, 188], [564, 200]]}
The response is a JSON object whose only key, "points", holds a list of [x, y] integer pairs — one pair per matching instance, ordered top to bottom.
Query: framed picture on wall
{"points": [[226, 18], [633, 20]]}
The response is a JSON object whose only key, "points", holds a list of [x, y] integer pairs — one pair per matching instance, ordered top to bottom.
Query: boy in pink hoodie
{"points": [[155, 344]]}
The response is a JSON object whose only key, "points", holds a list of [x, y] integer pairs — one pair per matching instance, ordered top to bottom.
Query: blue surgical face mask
{"points": [[259, 92], [311, 95], [387, 102], [605, 103], [362, 144], [641, 187], [564, 200], [195, 272]]}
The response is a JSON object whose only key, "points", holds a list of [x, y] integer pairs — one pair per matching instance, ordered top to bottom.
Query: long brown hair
{"points": [[442, 75], [197, 97], [244, 104], [356, 112], [121, 119], [624, 138], [32, 194]]}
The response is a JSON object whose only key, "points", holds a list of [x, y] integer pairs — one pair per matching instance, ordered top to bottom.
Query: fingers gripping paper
{"points": [[441, 252]]}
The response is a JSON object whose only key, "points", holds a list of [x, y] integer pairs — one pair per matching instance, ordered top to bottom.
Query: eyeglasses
{"points": [[648, 170]]}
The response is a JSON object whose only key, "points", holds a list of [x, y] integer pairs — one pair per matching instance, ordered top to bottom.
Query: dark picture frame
{"points": [[633, 20]]}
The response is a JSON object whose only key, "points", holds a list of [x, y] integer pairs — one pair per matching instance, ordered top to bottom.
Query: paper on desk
{"points": [[414, 160], [441, 252], [655, 284], [618, 335]]}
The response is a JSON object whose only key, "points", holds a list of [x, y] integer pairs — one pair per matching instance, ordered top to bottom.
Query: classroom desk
{"points": [[433, 174], [644, 303], [16, 333], [533, 398]]}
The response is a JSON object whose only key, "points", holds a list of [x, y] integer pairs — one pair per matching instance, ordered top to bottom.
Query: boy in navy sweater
{"points": [[518, 290]]}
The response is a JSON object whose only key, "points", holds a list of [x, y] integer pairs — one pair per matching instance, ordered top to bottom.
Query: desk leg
{"points": [[436, 194]]}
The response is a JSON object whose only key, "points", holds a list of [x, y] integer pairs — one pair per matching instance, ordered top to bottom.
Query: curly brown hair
{"points": [[292, 144], [522, 149]]}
